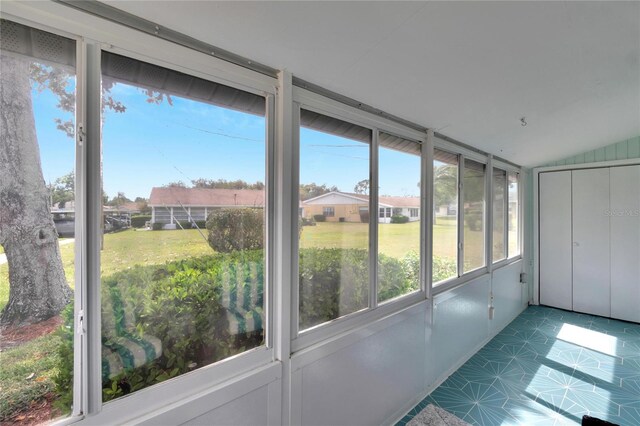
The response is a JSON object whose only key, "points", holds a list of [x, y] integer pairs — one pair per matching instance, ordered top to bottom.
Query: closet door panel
{"points": [[555, 239], [625, 243], [591, 246]]}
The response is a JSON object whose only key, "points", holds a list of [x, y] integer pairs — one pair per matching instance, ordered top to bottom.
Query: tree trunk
{"points": [[38, 287]]}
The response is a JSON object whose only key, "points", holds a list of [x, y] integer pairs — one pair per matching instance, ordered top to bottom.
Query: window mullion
{"points": [[295, 203], [488, 213], [506, 215], [427, 216], [461, 216], [270, 219], [373, 221], [92, 230], [80, 298]]}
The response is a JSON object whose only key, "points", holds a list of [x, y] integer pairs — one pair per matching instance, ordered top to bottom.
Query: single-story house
{"points": [[172, 204], [339, 206]]}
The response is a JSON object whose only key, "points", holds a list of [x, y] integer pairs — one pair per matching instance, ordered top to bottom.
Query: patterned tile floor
{"points": [[548, 367]]}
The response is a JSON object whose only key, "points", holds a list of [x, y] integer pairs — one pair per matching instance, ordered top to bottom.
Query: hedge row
{"points": [[183, 304]]}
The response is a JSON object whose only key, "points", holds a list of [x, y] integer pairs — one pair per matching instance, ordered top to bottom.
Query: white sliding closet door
{"points": [[555, 239], [625, 243], [591, 244]]}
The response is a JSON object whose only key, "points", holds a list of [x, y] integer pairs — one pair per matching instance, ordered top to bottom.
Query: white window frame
{"points": [[92, 35], [305, 99], [490, 162], [509, 168], [518, 175], [505, 202], [204, 377]]}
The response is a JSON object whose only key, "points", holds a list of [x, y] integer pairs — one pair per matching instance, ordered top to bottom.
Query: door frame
{"points": [[536, 208]]}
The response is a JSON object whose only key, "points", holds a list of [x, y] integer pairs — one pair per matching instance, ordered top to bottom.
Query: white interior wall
{"points": [[377, 373]]}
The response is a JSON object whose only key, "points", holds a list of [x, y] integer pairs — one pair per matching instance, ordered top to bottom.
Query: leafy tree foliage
{"points": [[176, 184], [226, 184], [362, 187], [446, 187], [63, 189], [311, 190], [118, 200], [233, 229]]}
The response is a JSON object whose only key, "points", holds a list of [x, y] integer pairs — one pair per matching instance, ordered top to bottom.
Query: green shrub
{"points": [[319, 218], [398, 218], [139, 221], [307, 222], [186, 224], [157, 226], [236, 229], [444, 268], [323, 270], [397, 277], [322, 298], [183, 303], [64, 377]]}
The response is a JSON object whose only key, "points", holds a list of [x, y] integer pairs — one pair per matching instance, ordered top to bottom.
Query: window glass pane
{"points": [[37, 201], [474, 202], [514, 208], [499, 213], [445, 219], [398, 235], [333, 256], [183, 262]]}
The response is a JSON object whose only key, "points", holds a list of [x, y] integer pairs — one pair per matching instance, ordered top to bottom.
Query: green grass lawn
{"points": [[394, 240], [125, 249], [26, 374]]}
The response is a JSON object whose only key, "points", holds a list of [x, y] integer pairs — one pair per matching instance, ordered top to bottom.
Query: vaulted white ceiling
{"points": [[470, 70]]}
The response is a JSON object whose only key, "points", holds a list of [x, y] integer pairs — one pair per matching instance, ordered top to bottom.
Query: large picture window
{"points": [[399, 186], [499, 214], [513, 214], [474, 215], [445, 219], [37, 223], [183, 255], [333, 259]]}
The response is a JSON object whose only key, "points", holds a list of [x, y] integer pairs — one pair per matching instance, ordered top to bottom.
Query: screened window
{"points": [[500, 200], [328, 211], [474, 215], [514, 215], [445, 219], [37, 222], [398, 236], [333, 258], [180, 297]]}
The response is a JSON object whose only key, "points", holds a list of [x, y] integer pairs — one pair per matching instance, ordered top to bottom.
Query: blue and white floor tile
{"points": [[548, 367]]}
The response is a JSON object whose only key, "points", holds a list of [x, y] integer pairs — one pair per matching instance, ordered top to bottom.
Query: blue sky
{"points": [[151, 145]]}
